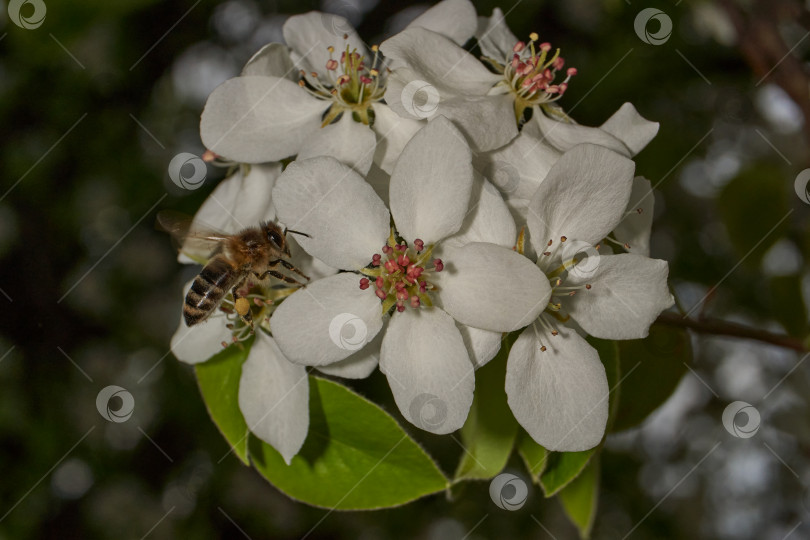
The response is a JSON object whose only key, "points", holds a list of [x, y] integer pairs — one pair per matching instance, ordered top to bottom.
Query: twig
{"points": [[719, 327]]}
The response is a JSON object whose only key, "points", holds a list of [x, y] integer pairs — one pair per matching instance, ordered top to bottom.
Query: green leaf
{"points": [[751, 205], [788, 304], [652, 369], [218, 379], [489, 433], [355, 456], [534, 456], [562, 468], [580, 498]]}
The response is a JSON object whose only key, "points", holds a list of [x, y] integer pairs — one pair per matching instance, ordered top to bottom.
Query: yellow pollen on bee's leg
{"points": [[242, 306]]}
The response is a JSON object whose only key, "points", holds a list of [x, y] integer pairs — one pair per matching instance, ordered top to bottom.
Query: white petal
{"points": [[454, 19], [311, 34], [494, 37], [433, 59], [272, 60], [257, 119], [488, 122], [631, 128], [393, 133], [563, 135], [352, 143], [519, 167], [431, 183], [582, 198], [487, 220], [347, 222], [634, 230], [312, 267], [492, 287], [627, 294], [326, 321], [200, 342], [482, 345], [360, 364], [428, 369], [560, 395], [274, 397]]}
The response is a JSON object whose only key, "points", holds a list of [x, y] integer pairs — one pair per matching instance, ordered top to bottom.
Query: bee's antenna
{"points": [[296, 232]]}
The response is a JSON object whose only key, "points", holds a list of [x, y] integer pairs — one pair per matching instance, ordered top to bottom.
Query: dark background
{"points": [[95, 103]]}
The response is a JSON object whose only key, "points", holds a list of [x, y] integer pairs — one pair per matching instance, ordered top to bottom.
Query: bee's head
{"points": [[277, 238]]}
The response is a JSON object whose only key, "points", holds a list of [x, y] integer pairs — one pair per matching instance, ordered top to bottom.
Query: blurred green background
{"points": [[96, 101]]}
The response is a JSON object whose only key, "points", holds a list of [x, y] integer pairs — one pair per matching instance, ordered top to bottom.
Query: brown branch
{"points": [[717, 327]]}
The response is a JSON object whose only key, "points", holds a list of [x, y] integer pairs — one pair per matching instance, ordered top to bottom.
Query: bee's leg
{"points": [[289, 266], [279, 275], [242, 305]]}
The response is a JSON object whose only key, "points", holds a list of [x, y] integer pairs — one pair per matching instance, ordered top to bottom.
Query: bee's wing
{"points": [[196, 242]]}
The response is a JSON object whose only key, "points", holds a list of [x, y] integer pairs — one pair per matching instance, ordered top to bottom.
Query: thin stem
{"points": [[719, 327]]}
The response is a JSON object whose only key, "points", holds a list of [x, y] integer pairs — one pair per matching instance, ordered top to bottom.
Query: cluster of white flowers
{"points": [[419, 173]]}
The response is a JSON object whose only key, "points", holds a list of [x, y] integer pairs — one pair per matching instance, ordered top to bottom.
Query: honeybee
{"points": [[255, 252]]}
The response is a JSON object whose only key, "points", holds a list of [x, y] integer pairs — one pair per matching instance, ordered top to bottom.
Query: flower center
{"points": [[530, 74], [349, 82], [563, 261], [401, 275], [255, 300]]}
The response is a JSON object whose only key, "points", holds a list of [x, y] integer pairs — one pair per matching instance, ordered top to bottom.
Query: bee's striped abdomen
{"points": [[208, 289]]}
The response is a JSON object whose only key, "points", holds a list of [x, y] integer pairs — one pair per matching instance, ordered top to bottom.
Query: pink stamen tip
{"points": [[519, 46], [545, 47], [559, 63], [331, 65], [571, 71], [343, 79], [365, 80], [419, 244], [387, 250], [403, 260], [438, 265], [391, 266], [379, 282], [364, 283], [399, 285], [380, 294], [402, 295], [415, 301], [400, 308]]}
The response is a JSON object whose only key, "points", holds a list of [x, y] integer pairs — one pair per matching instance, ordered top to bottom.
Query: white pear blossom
{"points": [[321, 96], [487, 99], [440, 287], [555, 383], [273, 392]]}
